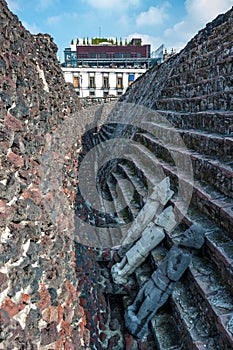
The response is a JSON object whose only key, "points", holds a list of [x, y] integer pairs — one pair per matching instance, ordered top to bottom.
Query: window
{"points": [[110, 55], [131, 78], [76, 82], [92, 82], [105, 83], [119, 83], [92, 93], [105, 93], [119, 93]]}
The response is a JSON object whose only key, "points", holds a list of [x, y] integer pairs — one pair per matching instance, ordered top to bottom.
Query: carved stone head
{"points": [[193, 237]]}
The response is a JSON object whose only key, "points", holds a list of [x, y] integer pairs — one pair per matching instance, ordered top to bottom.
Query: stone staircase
{"points": [[191, 141], [199, 314]]}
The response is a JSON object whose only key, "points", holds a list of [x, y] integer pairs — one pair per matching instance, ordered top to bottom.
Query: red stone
{"points": [[13, 123], [15, 159], [34, 194], [44, 298], [82, 301], [11, 308], [60, 313], [50, 314], [102, 327], [66, 328], [103, 336], [129, 342], [69, 346]]}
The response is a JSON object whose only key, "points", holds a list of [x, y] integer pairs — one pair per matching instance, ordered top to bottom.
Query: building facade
{"points": [[106, 69], [101, 82]]}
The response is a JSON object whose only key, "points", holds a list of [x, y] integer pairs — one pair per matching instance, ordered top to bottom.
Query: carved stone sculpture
{"points": [[159, 197], [151, 237], [156, 291]]}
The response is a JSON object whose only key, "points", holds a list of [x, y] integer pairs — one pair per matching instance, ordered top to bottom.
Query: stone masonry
{"points": [[188, 97], [55, 292]]}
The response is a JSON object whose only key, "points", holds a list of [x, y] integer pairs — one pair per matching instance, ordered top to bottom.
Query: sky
{"points": [[170, 22]]}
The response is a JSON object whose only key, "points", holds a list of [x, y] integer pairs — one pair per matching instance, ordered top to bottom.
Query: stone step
{"points": [[198, 88], [194, 104], [220, 122], [109, 127], [108, 130], [102, 136], [208, 143], [205, 168], [152, 174], [135, 180], [126, 196], [118, 204], [217, 206], [217, 247], [216, 297], [189, 315], [192, 320], [166, 332]]}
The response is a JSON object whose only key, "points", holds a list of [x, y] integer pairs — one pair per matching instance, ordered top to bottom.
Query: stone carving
{"points": [[159, 197], [166, 219], [152, 234], [151, 237], [156, 291]]}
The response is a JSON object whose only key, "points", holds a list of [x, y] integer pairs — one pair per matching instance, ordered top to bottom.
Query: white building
{"points": [[104, 68], [101, 82]]}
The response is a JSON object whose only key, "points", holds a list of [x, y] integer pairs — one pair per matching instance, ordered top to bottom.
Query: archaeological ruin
{"points": [[116, 218]]}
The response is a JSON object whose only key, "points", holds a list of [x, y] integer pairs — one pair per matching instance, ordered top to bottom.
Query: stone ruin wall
{"points": [[39, 292]]}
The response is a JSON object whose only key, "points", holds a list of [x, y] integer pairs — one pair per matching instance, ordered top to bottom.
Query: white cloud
{"points": [[44, 4], [13, 5], [116, 5], [204, 11], [198, 14], [154, 16], [54, 20], [33, 28], [147, 39]]}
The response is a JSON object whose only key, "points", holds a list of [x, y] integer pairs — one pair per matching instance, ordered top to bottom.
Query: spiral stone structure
{"points": [[189, 96], [67, 218]]}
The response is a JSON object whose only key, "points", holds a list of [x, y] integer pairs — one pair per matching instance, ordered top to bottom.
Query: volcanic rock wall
{"points": [[39, 292]]}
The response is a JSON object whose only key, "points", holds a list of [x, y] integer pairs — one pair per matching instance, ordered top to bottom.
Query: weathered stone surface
{"points": [[159, 197], [136, 255], [37, 264], [156, 291]]}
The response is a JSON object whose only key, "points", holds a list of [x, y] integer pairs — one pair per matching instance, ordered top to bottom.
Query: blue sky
{"points": [[169, 22]]}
